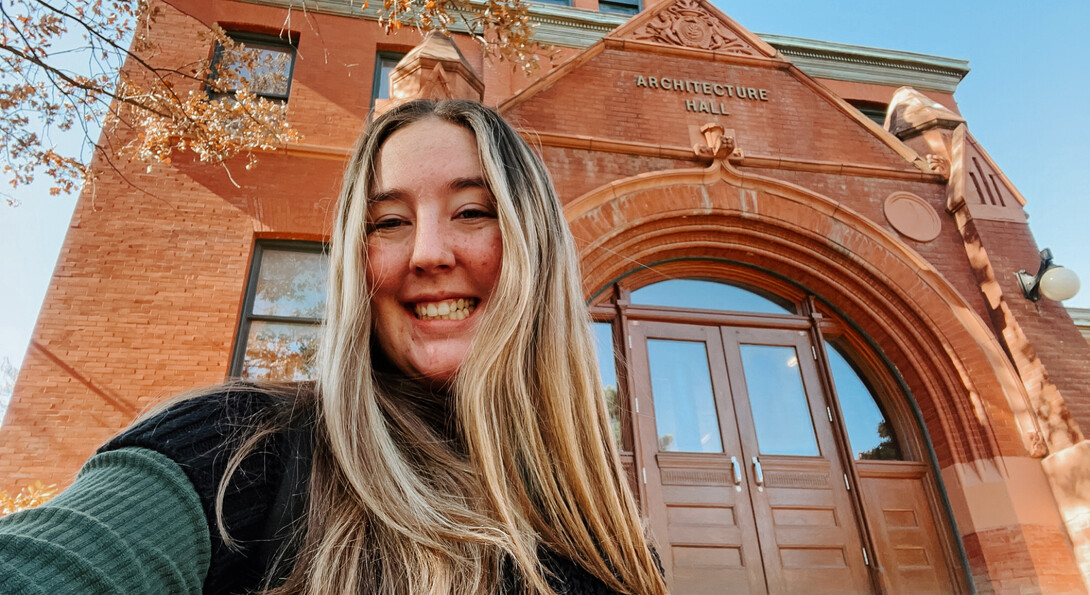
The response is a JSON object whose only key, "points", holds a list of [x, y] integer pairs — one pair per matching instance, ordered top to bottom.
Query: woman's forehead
{"points": [[430, 126], [424, 153]]}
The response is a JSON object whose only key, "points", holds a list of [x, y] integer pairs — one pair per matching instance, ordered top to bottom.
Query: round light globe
{"points": [[1059, 284]]}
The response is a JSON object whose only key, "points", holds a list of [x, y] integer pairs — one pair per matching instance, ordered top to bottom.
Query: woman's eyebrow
{"points": [[463, 183], [384, 195]]}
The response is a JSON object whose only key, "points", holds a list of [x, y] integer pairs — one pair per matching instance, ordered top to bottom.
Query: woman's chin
{"points": [[438, 369]]}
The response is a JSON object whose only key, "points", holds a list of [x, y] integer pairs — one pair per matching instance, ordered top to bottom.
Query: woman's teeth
{"points": [[446, 309]]}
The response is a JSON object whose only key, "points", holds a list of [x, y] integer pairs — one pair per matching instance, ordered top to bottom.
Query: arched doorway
{"points": [[932, 357], [753, 473]]}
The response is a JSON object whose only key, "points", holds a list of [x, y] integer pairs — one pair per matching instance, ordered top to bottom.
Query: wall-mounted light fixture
{"points": [[1052, 281]]}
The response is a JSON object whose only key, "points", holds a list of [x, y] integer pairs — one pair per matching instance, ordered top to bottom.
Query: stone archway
{"points": [[974, 410]]}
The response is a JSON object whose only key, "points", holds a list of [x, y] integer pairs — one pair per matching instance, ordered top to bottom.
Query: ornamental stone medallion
{"points": [[686, 23], [912, 217]]}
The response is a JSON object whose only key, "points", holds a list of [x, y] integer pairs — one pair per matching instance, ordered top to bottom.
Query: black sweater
{"points": [[267, 494]]}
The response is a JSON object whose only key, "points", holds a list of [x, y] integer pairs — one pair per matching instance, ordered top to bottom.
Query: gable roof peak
{"points": [[694, 24]]}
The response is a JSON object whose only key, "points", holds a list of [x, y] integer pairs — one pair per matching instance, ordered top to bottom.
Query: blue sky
{"points": [[1023, 98], [1023, 102]]}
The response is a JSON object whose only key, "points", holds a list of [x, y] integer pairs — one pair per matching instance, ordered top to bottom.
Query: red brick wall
{"points": [[601, 99], [147, 293], [1053, 357], [1028, 558]]}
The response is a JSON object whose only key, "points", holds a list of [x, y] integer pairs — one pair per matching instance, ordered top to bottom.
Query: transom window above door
{"points": [[709, 295]]}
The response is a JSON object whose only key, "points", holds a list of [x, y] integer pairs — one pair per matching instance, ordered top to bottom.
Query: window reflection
{"points": [[260, 63], [291, 284], [706, 295], [285, 306], [280, 351], [607, 365], [682, 389], [781, 414], [869, 431]]}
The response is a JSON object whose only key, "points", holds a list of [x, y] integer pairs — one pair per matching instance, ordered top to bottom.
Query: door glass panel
{"points": [[706, 295], [607, 365], [682, 389], [776, 395], [869, 432]]}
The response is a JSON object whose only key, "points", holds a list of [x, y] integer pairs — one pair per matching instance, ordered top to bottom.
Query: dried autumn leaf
{"points": [[33, 495]]}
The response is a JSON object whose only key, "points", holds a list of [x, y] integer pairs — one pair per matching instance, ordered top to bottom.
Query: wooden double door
{"points": [[746, 488]]}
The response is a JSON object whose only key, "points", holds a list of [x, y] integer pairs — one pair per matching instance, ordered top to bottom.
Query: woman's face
{"points": [[433, 247]]}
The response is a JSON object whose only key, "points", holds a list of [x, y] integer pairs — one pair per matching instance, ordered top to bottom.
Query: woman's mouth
{"points": [[453, 309]]}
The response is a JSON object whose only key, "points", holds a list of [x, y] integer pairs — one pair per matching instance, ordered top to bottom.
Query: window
{"points": [[619, 6], [263, 63], [384, 65], [872, 109], [709, 295], [285, 304], [607, 365], [685, 409], [869, 431]]}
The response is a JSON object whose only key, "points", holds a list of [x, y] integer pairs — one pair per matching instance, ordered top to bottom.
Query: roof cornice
{"points": [[556, 25], [566, 26], [845, 62], [1081, 317]]}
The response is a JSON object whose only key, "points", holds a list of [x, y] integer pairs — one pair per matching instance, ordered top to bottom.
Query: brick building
{"points": [[825, 374]]}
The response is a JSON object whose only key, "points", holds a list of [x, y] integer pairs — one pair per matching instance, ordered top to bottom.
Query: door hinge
{"points": [[814, 352], [829, 412], [644, 469], [846, 482], [866, 560]]}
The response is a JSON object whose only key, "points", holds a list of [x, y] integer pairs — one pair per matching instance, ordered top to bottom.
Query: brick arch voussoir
{"points": [[917, 319]]}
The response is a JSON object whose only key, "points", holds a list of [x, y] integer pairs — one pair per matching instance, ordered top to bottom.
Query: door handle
{"points": [[737, 469], [759, 475]]}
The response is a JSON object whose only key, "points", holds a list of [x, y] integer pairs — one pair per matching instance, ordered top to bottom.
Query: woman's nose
{"points": [[431, 247]]}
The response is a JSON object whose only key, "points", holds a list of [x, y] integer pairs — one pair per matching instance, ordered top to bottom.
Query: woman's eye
{"points": [[474, 213], [387, 223]]}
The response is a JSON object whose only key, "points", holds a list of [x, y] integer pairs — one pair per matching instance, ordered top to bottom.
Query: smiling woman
{"points": [[433, 248], [456, 440]]}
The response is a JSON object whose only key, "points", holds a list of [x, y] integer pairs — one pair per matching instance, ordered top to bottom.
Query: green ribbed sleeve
{"points": [[131, 523]]}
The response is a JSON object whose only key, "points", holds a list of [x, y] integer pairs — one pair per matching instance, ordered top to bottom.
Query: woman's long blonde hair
{"points": [[417, 492]]}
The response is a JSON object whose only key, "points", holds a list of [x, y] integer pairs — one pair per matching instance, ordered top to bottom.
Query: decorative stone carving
{"points": [[688, 24], [719, 143], [939, 164], [978, 185], [912, 217], [1037, 447]]}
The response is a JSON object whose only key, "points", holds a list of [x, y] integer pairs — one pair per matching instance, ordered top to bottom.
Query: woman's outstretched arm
{"points": [[131, 523]]}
